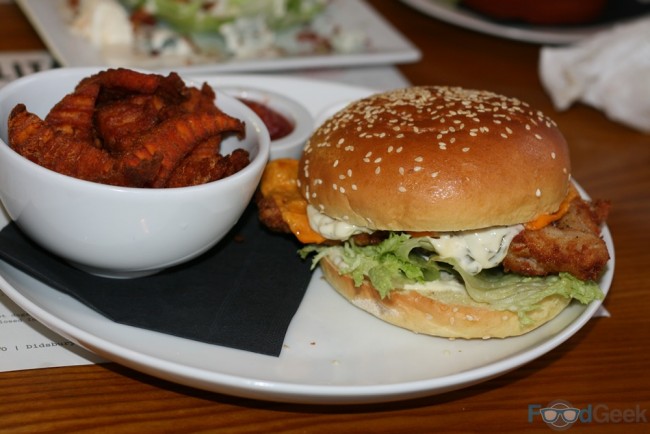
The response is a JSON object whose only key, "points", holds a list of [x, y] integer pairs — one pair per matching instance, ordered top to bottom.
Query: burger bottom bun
{"points": [[424, 314]]}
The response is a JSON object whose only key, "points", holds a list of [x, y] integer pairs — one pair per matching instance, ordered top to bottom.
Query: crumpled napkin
{"points": [[609, 71]]}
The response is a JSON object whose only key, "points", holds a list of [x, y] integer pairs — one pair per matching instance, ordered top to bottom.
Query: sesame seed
{"points": [[538, 137], [465, 149], [553, 155], [336, 163], [377, 170], [401, 171], [434, 174], [354, 187], [402, 189], [538, 193]]}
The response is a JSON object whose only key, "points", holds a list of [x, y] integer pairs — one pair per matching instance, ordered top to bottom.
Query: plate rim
{"points": [[534, 34], [257, 388]]}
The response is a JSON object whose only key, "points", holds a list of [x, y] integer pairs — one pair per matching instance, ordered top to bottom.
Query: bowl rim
{"points": [[301, 118], [256, 164]]}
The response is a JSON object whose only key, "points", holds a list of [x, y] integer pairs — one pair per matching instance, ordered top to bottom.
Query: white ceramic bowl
{"points": [[291, 145], [115, 231]]}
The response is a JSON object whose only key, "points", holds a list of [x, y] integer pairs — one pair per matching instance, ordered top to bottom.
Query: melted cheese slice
{"points": [[279, 181]]}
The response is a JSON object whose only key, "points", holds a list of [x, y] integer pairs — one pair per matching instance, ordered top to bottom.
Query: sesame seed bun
{"points": [[435, 159], [433, 315]]}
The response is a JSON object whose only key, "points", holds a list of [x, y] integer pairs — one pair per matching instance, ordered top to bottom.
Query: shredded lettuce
{"points": [[191, 16], [402, 259]]}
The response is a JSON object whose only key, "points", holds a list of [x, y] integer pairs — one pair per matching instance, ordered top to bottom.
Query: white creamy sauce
{"points": [[103, 23], [106, 25], [248, 36], [330, 228], [473, 250], [476, 250]]}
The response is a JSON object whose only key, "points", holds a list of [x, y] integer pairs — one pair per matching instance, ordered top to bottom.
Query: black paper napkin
{"points": [[241, 294]]}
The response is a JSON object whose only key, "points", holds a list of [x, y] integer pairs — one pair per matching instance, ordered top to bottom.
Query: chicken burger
{"points": [[442, 210]]}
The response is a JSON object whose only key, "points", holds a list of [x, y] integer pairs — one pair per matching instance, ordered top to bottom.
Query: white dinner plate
{"points": [[448, 11], [385, 44], [333, 352]]}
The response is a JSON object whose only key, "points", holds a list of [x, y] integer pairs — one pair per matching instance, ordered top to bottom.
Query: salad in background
{"points": [[158, 33]]}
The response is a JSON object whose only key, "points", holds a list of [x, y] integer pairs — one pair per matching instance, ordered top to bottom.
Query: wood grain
{"points": [[605, 363]]}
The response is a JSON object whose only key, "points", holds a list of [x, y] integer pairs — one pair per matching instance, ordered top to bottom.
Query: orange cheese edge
{"points": [[279, 181], [547, 219]]}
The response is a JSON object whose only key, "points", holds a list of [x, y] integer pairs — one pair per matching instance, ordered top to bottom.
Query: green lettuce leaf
{"points": [[401, 260]]}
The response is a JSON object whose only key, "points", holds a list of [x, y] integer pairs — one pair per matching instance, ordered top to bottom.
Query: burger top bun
{"points": [[435, 159]]}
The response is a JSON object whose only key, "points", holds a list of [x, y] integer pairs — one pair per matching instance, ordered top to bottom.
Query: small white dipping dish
{"points": [[291, 145]]}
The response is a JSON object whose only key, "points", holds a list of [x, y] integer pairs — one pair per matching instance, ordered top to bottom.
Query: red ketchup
{"points": [[278, 125]]}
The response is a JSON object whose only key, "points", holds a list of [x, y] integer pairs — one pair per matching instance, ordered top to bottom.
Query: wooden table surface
{"points": [[605, 365]]}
